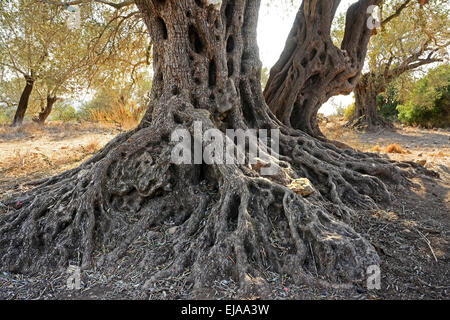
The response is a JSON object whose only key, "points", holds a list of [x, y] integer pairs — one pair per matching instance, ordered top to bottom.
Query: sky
{"points": [[275, 22]]}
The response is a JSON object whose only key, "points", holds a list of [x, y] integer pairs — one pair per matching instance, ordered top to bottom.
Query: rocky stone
{"points": [[422, 162], [302, 187], [172, 230]]}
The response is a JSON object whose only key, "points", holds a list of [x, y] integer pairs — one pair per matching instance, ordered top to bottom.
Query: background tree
{"points": [[419, 36], [109, 43], [24, 46], [114, 48], [225, 221]]}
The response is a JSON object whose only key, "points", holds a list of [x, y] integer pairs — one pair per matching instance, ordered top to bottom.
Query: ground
{"points": [[32, 152], [412, 238]]}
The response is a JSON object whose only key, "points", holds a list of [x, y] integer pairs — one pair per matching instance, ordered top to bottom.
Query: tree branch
{"points": [[76, 2], [397, 12], [357, 33], [411, 66], [378, 82]]}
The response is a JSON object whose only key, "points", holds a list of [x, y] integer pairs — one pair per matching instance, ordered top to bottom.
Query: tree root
{"points": [[366, 123], [222, 220]]}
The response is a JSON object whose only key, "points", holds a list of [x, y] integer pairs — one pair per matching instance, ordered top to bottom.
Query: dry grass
{"points": [[125, 115], [27, 129], [334, 129], [31, 130], [92, 147], [377, 148], [392, 148], [395, 148], [33, 151], [439, 155], [22, 162]]}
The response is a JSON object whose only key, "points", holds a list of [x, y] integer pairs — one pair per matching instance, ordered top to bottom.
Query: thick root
{"points": [[369, 124], [220, 221]]}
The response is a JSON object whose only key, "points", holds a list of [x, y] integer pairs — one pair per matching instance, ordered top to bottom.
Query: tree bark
{"points": [[311, 68], [23, 102], [366, 103], [366, 109], [45, 112], [217, 221]]}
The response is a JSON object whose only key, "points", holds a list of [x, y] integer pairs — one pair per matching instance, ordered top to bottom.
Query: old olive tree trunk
{"points": [[312, 69]]}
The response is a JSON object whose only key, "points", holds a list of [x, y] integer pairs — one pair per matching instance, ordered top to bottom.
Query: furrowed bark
{"points": [[311, 68], [23, 102], [366, 109], [45, 112]]}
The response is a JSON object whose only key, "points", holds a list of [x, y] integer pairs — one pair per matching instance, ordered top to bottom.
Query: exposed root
{"points": [[369, 123], [221, 221]]}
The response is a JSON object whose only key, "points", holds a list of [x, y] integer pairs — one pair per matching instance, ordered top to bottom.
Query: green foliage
{"points": [[337, 30], [409, 38], [110, 49], [10, 91], [387, 103], [428, 103], [340, 111], [64, 112], [350, 112], [5, 116]]}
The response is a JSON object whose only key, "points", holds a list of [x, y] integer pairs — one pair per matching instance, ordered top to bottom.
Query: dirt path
{"points": [[428, 147], [34, 152], [412, 237]]}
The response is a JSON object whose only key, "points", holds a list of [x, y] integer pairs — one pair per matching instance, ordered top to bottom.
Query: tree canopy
{"points": [[411, 35], [37, 43]]}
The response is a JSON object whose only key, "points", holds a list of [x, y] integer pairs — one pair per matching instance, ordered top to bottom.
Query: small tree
{"points": [[24, 46]]}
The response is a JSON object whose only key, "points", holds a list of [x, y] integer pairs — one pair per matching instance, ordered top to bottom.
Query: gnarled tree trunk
{"points": [[311, 68], [23, 102], [366, 103], [366, 109], [45, 111], [218, 221]]}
